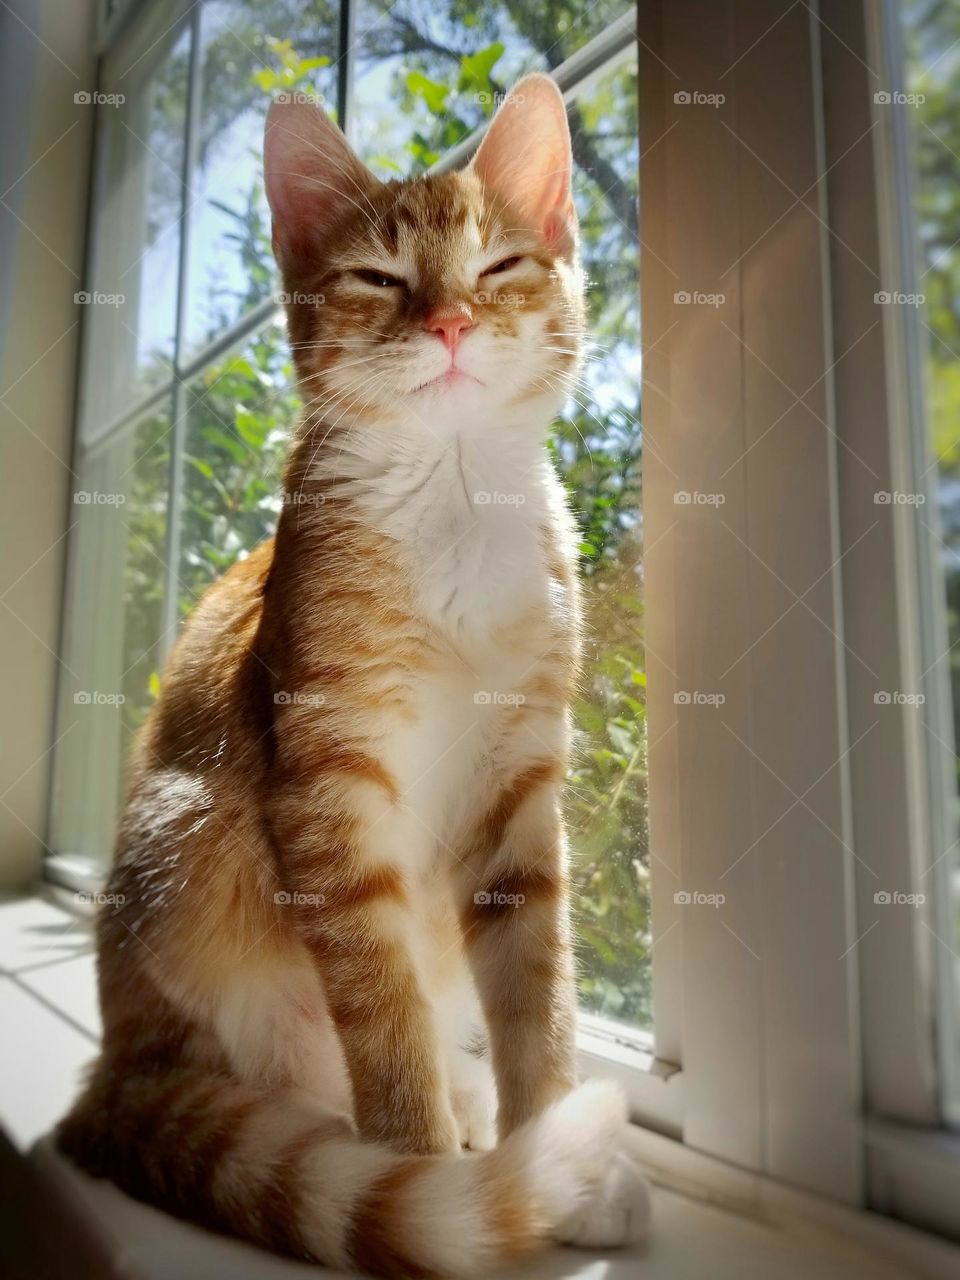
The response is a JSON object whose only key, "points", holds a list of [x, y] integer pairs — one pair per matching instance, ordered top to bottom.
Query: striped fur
{"points": [[340, 952]]}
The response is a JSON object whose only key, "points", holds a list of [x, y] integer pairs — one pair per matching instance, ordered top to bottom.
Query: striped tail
{"points": [[284, 1174]]}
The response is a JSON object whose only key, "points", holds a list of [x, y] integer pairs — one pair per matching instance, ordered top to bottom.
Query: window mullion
{"points": [[346, 63], [179, 409]]}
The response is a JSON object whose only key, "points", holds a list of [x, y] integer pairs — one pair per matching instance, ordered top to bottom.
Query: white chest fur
{"points": [[469, 514]]}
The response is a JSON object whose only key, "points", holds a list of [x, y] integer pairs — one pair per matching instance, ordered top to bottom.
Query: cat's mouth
{"points": [[451, 377]]}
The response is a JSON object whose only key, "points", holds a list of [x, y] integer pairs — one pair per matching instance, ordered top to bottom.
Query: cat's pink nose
{"points": [[449, 326]]}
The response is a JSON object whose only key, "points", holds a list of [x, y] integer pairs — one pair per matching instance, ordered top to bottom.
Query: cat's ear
{"points": [[525, 159], [312, 177]]}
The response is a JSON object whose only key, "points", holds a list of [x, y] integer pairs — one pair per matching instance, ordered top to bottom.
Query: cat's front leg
{"points": [[350, 903], [517, 934]]}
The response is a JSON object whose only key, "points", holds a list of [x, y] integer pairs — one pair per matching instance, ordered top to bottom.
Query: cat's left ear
{"points": [[525, 159], [313, 178]]}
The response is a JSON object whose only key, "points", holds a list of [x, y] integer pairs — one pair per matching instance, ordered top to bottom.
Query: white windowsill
{"points": [[49, 1014]]}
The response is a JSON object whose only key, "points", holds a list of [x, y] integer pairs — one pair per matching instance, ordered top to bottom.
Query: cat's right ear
{"points": [[312, 177]]}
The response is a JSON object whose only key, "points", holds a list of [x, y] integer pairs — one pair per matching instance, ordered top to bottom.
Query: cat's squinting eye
{"points": [[503, 265], [379, 278]]}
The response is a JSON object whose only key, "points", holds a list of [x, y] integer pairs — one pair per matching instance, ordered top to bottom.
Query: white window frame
{"points": [[818, 1066]]}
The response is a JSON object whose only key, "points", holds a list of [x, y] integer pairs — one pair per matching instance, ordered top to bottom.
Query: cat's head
{"points": [[441, 300]]}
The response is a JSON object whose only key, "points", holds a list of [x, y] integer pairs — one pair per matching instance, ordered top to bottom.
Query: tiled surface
{"points": [[35, 931], [69, 986], [49, 1018], [40, 1064]]}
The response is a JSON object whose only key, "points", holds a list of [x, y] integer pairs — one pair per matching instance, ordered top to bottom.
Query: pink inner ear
{"points": [[525, 158], [312, 176], [556, 230]]}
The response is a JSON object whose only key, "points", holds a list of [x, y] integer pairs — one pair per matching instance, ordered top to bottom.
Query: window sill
{"points": [[47, 992]]}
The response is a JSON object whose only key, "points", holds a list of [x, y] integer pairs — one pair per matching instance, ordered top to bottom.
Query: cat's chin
{"points": [[447, 381]]}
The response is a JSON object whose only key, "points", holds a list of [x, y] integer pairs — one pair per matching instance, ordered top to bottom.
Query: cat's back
{"points": [[214, 687]]}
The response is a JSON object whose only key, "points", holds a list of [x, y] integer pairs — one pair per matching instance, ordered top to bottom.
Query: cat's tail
{"points": [[279, 1172]]}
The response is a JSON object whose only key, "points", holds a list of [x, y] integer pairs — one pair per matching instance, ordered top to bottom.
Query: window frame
{"points": [[769, 1045], [872, 1131]]}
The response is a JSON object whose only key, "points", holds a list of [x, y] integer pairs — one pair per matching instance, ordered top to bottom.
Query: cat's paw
{"points": [[473, 1100], [475, 1113], [617, 1214]]}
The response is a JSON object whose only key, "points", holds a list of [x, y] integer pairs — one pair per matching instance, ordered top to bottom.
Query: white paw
{"points": [[473, 1099], [476, 1119], [617, 1214]]}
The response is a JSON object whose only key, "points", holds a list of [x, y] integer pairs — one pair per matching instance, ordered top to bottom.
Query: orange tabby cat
{"points": [[342, 953]]}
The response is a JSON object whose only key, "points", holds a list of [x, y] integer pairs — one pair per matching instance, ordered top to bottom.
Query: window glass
{"points": [[932, 46], [249, 55], [428, 76], [425, 79], [129, 304], [240, 411], [598, 449], [114, 610]]}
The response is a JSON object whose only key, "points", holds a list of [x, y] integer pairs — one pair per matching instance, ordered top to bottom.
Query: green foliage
{"points": [[932, 37], [293, 71], [238, 422]]}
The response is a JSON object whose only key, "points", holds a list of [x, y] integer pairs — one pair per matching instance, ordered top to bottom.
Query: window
{"points": [[931, 41], [187, 392], [771, 566]]}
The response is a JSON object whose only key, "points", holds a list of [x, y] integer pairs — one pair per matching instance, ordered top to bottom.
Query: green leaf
{"points": [[475, 68], [432, 92], [384, 162], [622, 738]]}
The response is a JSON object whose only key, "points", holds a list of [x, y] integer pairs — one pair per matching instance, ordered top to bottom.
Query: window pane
{"points": [[932, 39], [250, 53], [427, 75], [425, 80], [130, 317], [240, 412], [598, 448], [112, 649]]}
